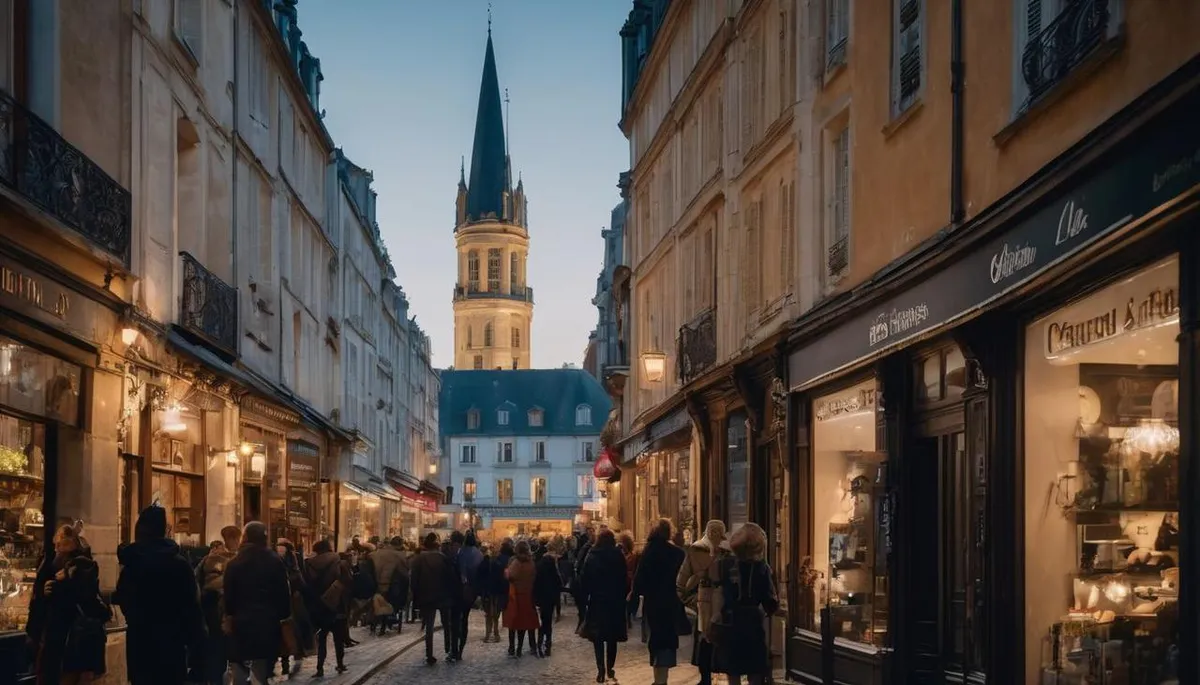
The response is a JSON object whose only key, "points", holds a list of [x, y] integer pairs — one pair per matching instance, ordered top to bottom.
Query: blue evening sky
{"points": [[400, 92]]}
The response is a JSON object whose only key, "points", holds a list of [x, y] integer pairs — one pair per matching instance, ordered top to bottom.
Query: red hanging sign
{"points": [[606, 466]]}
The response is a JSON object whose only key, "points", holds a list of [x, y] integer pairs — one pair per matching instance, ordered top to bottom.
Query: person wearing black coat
{"points": [[582, 548], [328, 578], [654, 582], [435, 587], [603, 589], [497, 590], [547, 592], [158, 594], [746, 596], [258, 599]]}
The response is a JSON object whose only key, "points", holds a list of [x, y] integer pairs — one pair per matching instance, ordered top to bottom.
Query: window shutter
{"points": [[818, 16], [189, 20], [908, 41], [788, 211], [754, 255]]}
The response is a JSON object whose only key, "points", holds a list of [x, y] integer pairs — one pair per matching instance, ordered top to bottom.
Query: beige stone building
{"points": [[493, 303]]}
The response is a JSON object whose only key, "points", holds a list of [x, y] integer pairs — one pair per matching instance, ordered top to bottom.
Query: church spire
{"points": [[489, 181]]}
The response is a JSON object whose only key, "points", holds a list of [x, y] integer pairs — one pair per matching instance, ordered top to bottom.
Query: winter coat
{"points": [[470, 561], [384, 562], [321, 572], [210, 576], [696, 578], [434, 582], [547, 583], [655, 583], [497, 586], [751, 587], [602, 588], [157, 592], [257, 599], [73, 602], [520, 614]]}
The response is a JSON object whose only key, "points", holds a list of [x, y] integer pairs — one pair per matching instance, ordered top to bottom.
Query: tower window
{"points": [[493, 269], [473, 271], [514, 272], [488, 335], [470, 337], [516, 337], [478, 361], [583, 415]]}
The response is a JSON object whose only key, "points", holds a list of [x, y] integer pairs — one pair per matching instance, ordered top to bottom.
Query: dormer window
{"points": [[583, 415], [502, 417], [536, 418], [473, 419]]}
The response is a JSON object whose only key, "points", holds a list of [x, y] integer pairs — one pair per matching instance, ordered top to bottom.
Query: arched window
{"points": [[493, 269], [473, 271], [514, 271], [489, 337], [516, 337], [478, 361], [583, 415]]}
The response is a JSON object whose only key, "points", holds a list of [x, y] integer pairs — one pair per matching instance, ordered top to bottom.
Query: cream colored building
{"points": [[493, 303]]}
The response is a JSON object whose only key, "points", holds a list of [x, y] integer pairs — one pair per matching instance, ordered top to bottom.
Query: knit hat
{"points": [[151, 523]]}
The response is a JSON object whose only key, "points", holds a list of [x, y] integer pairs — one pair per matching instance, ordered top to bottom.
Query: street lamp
{"points": [[655, 366]]}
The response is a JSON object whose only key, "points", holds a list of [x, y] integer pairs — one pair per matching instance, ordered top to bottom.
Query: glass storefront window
{"points": [[36, 383], [739, 470], [177, 478], [1102, 485], [848, 491], [22, 516]]}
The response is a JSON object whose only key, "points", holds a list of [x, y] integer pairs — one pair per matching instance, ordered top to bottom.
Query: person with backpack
{"points": [[390, 570], [329, 581]]}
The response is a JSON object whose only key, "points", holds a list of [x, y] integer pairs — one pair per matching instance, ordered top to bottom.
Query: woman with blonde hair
{"points": [[745, 597]]}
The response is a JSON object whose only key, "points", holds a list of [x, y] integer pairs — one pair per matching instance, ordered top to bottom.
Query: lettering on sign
{"points": [[1180, 168], [1072, 222], [1012, 259], [31, 291], [1158, 306], [897, 322], [861, 400]]}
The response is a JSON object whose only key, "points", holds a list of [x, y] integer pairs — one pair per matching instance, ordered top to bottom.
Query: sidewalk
{"points": [[369, 656]]}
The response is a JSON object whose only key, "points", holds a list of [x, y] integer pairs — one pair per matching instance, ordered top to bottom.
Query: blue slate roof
{"points": [[489, 178], [557, 392]]}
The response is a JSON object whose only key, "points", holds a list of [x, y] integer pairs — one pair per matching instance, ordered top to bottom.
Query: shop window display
{"points": [[177, 474], [1102, 485], [848, 489], [22, 519]]}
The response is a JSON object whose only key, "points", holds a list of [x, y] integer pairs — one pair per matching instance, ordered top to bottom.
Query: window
{"points": [[907, 20], [189, 26], [837, 32], [1053, 37], [258, 80], [838, 251], [752, 256], [787, 268], [493, 269], [473, 271], [514, 272], [489, 335], [470, 337], [516, 338], [478, 361], [516, 362], [1101, 403], [583, 415], [502, 417], [536, 417], [473, 419], [539, 451], [588, 451], [504, 452], [585, 486], [468, 490], [504, 491], [537, 491]]}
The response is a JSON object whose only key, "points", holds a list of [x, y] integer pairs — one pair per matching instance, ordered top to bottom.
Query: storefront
{"points": [[992, 453], [661, 476], [416, 510], [359, 514], [514, 521]]}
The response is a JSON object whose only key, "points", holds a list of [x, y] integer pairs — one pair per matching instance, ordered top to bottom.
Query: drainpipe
{"points": [[233, 194], [957, 210]]}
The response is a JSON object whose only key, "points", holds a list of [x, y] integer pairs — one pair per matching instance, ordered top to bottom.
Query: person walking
{"points": [[586, 540], [625, 543], [470, 563], [390, 568], [210, 575], [329, 581], [433, 582], [694, 585], [497, 589], [603, 591], [547, 593], [158, 595], [745, 600], [258, 606], [663, 612], [520, 615], [67, 616], [301, 624]]}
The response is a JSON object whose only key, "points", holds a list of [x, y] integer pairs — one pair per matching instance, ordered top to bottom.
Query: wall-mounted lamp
{"points": [[129, 335], [654, 364], [172, 422], [258, 463], [433, 467]]}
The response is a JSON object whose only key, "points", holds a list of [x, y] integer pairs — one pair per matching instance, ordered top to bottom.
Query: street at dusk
{"points": [[630, 342]]}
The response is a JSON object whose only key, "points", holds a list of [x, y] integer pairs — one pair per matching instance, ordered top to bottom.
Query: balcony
{"points": [[1064, 44], [50, 173], [838, 256], [472, 292], [210, 307], [696, 347]]}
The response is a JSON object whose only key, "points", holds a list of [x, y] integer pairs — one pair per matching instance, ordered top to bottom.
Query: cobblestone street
{"points": [[572, 662]]}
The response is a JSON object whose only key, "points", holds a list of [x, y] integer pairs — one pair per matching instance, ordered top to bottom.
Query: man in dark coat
{"points": [[434, 583], [604, 587], [157, 592], [257, 600]]}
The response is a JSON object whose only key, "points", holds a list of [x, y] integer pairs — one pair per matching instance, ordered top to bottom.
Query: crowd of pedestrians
{"points": [[250, 610]]}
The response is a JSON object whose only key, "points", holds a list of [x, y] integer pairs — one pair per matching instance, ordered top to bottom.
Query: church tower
{"points": [[493, 303]]}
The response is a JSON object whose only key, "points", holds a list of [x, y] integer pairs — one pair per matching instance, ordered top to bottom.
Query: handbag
{"points": [[333, 595], [380, 606], [86, 637], [289, 644]]}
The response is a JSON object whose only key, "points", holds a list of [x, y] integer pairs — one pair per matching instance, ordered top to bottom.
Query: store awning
{"points": [[434, 489], [385, 491]]}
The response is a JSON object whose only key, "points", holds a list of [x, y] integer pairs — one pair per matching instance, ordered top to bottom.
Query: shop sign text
{"points": [[1158, 306], [897, 322], [859, 401]]}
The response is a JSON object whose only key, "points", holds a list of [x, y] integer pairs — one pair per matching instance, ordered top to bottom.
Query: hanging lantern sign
{"points": [[606, 465]]}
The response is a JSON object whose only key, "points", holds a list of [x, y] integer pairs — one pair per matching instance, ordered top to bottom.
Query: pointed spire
{"points": [[462, 173], [489, 179]]}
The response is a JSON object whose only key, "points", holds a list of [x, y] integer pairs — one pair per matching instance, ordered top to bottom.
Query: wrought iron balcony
{"points": [[1063, 44], [46, 170], [839, 256], [521, 294], [209, 307], [697, 346]]}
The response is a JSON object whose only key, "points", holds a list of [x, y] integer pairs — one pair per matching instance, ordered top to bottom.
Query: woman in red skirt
{"points": [[520, 616]]}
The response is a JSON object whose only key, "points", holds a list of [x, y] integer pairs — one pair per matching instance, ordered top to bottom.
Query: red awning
{"points": [[606, 466], [414, 499]]}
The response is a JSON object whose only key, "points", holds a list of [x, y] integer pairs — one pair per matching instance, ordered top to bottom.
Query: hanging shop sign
{"points": [[1142, 173], [29, 293], [304, 460], [606, 465], [299, 506]]}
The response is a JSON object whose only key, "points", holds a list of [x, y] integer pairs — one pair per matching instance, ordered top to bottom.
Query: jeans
{"points": [[493, 616], [428, 617], [464, 618], [546, 632], [341, 633], [603, 664], [256, 673]]}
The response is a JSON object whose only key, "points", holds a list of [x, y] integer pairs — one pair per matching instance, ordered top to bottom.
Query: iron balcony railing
{"points": [[1063, 44], [41, 166], [839, 256], [521, 294], [209, 307], [696, 346]]}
